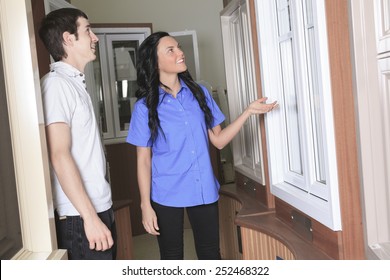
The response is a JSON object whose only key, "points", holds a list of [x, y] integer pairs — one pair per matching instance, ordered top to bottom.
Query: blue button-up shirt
{"points": [[182, 174]]}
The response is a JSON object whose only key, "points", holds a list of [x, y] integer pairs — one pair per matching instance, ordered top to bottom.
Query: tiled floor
{"points": [[146, 247]]}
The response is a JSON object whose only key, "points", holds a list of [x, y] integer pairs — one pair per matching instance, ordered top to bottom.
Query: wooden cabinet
{"points": [[122, 159], [123, 228], [251, 231], [230, 241], [260, 246]]}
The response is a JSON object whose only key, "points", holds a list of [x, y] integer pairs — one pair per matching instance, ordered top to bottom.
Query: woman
{"points": [[173, 121]]}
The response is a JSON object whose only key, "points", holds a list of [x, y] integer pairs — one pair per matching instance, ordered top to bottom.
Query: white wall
{"points": [[170, 15], [372, 105]]}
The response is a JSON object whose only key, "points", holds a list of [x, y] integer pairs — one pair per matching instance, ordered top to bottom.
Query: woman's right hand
{"points": [[149, 220]]}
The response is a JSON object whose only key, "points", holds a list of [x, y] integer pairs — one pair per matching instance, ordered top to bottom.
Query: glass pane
{"points": [[309, 12], [284, 18], [125, 79], [99, 90], [315, 102], [291, 108], [247, 141], [10, 230]]}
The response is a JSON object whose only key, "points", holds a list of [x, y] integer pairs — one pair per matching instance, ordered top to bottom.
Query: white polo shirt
{"points": [[66, 100]]}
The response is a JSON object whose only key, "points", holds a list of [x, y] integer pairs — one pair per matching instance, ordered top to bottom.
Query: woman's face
{"points": [[170, 57]]}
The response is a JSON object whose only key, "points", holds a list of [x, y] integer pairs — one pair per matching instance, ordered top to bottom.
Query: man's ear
{"points": [[68, 38]]}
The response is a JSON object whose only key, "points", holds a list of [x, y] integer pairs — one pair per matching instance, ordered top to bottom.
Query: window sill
{"points": [[380, 251], [54, 255]]}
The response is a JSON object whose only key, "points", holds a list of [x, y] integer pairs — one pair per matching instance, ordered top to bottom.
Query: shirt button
{"points": [[81, 74]]}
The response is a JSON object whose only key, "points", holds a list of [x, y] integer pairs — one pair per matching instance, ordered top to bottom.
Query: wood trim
{"points": [[38, 13], [122, 25], [324, 238], [352, 240]]}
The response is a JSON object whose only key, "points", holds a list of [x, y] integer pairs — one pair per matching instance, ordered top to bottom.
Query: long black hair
{"points": [[148, 80]]}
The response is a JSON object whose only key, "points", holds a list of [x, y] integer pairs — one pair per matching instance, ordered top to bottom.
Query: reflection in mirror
{"points": [[125, 78]]}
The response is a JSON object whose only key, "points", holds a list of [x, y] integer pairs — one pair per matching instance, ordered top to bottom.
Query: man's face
{"points": [[84, 46]]}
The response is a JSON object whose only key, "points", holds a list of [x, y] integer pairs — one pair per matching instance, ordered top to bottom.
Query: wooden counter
{"points": [[255, 231]]}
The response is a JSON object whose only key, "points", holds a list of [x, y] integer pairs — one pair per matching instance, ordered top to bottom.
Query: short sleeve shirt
{"points": [[66, 100], [182, 174]]}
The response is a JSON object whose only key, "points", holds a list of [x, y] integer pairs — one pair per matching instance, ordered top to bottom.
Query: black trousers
{"points": [[205, 226]]}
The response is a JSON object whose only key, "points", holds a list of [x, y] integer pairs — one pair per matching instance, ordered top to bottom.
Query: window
{"points": [[112, 78], [241, 87], [27, 137], [300, 138], [10, 232]]}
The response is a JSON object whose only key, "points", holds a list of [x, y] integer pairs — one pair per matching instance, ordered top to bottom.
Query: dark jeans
{"points": [[205, 227], [71, 236]]}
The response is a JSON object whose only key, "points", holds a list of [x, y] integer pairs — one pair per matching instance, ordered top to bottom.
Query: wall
{"points": [[170, 15], [373, 123]]}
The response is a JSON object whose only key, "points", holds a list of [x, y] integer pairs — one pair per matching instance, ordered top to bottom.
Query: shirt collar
{"points": [[66, 69], [182, 83]]}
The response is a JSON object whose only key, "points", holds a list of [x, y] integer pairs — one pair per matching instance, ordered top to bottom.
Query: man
{"points": [[82, 196]]}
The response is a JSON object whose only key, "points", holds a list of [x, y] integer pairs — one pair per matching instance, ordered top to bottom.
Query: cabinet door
{"points": [[121, 51], [116, 81]]}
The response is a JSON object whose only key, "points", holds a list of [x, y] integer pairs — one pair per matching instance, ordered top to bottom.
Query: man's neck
{"points": [[75, 64]]}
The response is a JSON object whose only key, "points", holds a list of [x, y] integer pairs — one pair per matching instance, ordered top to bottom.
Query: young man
{"points": [[82, 196]]}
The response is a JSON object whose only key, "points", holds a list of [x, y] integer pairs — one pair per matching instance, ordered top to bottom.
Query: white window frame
{"points": [[241, 86], [27, 132], [320, 201]]}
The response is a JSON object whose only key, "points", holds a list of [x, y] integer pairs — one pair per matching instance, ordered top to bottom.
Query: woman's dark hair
{"points": [[54, 25], [148, 80]]}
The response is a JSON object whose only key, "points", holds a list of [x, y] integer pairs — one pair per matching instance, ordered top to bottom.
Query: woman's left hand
{"points": [[260, 106]]}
